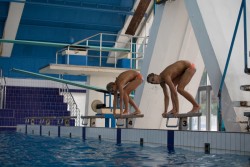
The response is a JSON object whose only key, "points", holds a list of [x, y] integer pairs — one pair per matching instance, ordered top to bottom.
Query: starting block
{"points": [[92, 119], [65, 120], [116, 120], [129, 120], [182, 122]]}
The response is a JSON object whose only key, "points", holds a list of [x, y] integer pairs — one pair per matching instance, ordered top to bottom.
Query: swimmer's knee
{"points": [[180, 89], [127, 92]]}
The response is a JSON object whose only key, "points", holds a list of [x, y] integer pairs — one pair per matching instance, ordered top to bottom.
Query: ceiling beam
{"points": [[80, 5], [138, 16], [71, 25], [11, 27]]}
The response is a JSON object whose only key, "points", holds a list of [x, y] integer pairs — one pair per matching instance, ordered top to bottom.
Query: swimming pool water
{"points": [[17, 149]]}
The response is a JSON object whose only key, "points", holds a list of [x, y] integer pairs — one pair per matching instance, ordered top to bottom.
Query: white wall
{"points": [[214, 22], [171, 39], [80, 99]]}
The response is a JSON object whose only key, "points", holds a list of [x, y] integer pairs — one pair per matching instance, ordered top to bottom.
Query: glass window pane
{"points": [[204, 78], [203, 110], [213, 113], [194, 123]]}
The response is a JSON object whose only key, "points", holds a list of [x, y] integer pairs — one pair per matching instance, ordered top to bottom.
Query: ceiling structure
{"points": [[56, 21]]}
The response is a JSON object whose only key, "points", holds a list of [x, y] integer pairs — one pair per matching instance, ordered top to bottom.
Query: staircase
{"points": [[22, 102]]}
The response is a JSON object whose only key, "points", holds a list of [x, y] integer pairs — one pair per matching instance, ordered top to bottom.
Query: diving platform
{"points": [[80, 70]]}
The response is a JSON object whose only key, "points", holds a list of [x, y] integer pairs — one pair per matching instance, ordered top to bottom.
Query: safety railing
{"points": [[106, 50], [2, 90], [72, 106]]}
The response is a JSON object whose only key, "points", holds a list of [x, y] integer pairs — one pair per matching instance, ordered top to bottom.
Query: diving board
{"points": [[61, 45], [61, 80], [182, 122]]}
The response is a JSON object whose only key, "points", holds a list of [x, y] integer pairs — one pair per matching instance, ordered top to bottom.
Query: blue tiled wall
{"points": [[24, 102]]}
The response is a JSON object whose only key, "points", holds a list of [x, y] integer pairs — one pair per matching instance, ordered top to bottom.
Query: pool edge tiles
{"points": [[103, 133], [222, 141]]}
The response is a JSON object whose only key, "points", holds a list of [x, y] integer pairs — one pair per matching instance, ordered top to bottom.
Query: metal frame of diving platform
{"points": [[129, 47]]}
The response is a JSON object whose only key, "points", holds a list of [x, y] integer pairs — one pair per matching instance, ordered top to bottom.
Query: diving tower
{"points": [[124, 57], [99, 72]]}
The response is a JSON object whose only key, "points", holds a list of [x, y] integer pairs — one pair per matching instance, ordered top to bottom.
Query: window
{"points": [[208, 102]]}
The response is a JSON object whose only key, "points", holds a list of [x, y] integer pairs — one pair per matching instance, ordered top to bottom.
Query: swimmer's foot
{"points": [[195, 109], [172, 112], [125, 113], [136, 113], [164, 114]]}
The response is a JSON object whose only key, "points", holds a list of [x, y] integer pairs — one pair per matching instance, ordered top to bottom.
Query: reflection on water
{"points": [[24, 150]]}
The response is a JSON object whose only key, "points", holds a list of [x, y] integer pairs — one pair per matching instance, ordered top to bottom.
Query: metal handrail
{"points": [[129, 48], [3, 90], [73, 104]]}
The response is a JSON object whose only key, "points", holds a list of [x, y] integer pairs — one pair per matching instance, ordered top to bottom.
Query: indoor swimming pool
{"points": [[18, 149]]}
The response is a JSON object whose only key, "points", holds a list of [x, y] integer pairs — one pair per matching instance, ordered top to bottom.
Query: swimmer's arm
{"points": [[121, 98], [166, 98], [114, 102]]}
